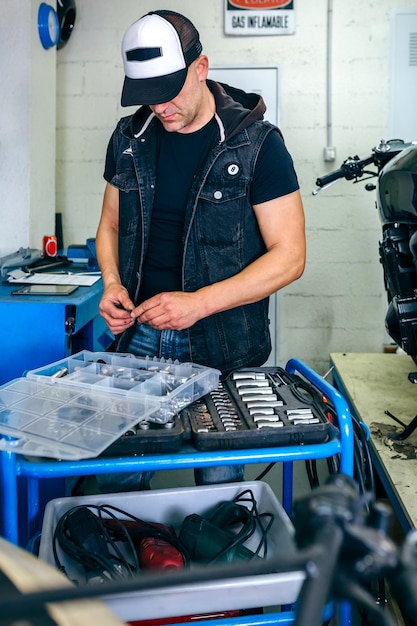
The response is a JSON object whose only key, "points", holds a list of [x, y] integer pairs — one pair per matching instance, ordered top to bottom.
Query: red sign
{"points": [[259, 4], [259, 17]]}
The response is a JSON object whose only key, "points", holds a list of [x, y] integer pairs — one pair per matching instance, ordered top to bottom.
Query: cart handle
{"points": [[341, 407]]}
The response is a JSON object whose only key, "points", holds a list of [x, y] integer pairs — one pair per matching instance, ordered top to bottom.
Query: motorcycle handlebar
{"points": [[354, 167], [350, 169], [326, 179], [352, 547], [403, 579], [314, 594]]}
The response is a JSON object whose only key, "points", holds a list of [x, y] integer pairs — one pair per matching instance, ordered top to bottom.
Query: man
{"points": [[202, 217]]}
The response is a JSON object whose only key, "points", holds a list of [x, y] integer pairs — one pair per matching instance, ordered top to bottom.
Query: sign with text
{"points": [[259, 17]]}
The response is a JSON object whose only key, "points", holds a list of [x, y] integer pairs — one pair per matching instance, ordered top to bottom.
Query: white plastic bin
{"points": [[171, 506]]}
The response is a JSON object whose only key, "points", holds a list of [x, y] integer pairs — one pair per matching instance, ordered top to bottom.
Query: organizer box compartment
{"points": [[173, 385], [38, 418]]}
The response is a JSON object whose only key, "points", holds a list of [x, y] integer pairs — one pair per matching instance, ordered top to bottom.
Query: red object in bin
{"points": [[154, 553], [157, 554], [194, 618]]}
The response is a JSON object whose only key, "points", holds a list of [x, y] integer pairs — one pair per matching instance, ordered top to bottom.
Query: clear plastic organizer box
{"points": [[172, 384], [40, 419], [170, 507]]}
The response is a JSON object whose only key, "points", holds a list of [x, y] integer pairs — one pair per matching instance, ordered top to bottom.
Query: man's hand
{"points": [[116, 308], [172, 310]]}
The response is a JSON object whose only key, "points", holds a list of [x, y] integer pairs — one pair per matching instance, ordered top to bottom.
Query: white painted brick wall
{"points": [[27, 129], [339, 303]]}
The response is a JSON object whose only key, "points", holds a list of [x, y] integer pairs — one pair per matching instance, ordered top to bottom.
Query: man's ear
{"points": [[202, 66]]}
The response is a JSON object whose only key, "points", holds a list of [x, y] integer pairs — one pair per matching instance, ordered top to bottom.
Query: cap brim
{"points": [[137, 91]]}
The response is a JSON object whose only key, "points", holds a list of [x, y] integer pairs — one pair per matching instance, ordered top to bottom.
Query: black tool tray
{"points": [[260, 407], [148, 437]]}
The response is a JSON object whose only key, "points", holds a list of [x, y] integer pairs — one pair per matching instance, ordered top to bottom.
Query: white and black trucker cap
{"points": [[157, 50]]}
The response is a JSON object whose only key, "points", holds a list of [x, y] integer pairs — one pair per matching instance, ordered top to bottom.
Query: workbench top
{"points": [[373, 384]]}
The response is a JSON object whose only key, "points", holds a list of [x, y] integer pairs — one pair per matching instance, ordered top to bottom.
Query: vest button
{"points": [[218, 195]]}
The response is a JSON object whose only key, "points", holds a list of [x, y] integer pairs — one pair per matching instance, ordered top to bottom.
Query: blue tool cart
{"points": [[16, 469]]}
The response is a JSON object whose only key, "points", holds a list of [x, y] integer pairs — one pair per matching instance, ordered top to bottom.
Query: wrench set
{"points": [[259, 407]]}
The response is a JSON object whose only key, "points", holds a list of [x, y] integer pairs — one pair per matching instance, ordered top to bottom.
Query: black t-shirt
{"points": [[180, 158]]}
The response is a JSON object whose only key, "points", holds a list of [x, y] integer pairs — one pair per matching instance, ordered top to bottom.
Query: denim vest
{"points": [[221, 237]]}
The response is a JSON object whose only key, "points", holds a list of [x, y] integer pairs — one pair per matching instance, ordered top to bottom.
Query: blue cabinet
{"points": [[37, 330]]}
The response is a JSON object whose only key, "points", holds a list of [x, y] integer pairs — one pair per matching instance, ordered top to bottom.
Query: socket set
{"points": [[260, 407]]}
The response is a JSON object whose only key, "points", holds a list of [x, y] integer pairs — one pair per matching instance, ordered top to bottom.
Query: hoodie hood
{"points": [[236, 108]]}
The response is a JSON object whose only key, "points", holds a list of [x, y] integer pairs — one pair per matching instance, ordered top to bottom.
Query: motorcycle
{"points": [[394, 164]]}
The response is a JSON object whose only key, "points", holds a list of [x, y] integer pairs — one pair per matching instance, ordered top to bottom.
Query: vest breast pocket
{"points": [[220, 213]]}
